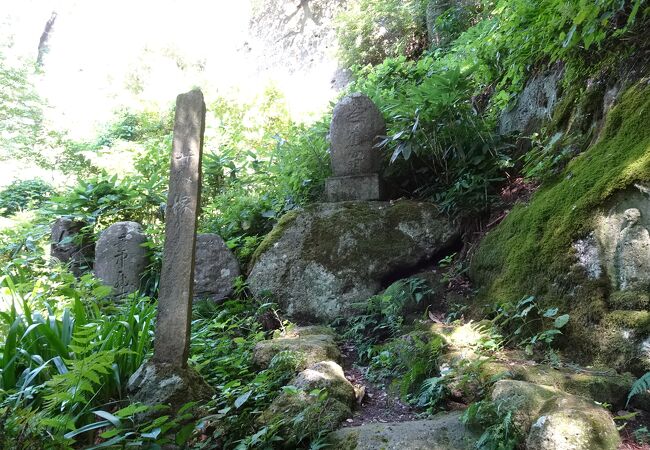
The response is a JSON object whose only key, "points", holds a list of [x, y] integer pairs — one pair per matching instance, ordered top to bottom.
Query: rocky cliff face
{"points": [[582, 244]]}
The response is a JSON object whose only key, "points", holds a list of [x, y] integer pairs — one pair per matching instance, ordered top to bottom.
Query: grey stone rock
{"points": [[535, 103], [623, 239], [66, 247], [588, 255], [120, 258], [318, 262], [215, 268], [172, 342], [326, 375], [165, 384], [320, 416], [571, 423], [443, 432]]}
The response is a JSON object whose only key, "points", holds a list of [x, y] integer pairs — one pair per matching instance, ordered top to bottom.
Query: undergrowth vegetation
{"points": [[67, 350]]}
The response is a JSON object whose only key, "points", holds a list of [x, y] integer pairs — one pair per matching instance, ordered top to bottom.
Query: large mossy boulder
{"points": [[571, 246], [318, 262], [443, 432]]}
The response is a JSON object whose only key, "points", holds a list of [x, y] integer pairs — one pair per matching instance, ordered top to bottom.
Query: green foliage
{"points": [[369, 31], [441, 108], [21, 112], [135, 127], [439, 147], [258, 165], [21, 195], [530, 250], [383, 315], [530, 325], [222, 347], [411, 362], [61, 365], [640, 386], [496, 422]]}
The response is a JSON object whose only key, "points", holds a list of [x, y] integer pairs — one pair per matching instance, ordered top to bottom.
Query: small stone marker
{"points": [[356, 125], [66, 248], [120, 259], [215, 268], [176, 278], [167, 378]]}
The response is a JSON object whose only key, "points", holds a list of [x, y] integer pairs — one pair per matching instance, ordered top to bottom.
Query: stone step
{"points": [[443, 432]]}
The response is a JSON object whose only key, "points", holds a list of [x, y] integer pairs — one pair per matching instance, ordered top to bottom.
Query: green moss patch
{"points": [[529, 253]]}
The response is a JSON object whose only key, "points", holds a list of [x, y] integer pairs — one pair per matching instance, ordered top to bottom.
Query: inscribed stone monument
{"points": [[356, 125], [120, 258], [215, 268], [176, 277], [167, 378]]}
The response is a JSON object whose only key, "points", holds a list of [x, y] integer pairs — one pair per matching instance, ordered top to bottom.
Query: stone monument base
{"points": [[354, 187], [164, 384]]}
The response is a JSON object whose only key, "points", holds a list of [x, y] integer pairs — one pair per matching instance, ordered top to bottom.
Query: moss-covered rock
{"points": [[531, 252], [323, 259], [310, 348], [329, 376], [168, 385], [600, 386], [525, 400], [318, 415], [312, 416], [555, 420], [570, 423], [443, 432]]}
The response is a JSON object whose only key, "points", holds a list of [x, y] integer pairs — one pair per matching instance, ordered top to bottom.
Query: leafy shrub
{"points": [[369, 31], [21, 112], [135, 127], [257, 166], [21, 195], [381, 316], [530, 325], [410, 361], [639, 387], [496, 422]]}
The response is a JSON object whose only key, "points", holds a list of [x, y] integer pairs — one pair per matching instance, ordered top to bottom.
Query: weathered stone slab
{"points": [[356, 125], [67, 247], [120, 258], [215, 268], [176, 278], [311, 347], [443, 432]]}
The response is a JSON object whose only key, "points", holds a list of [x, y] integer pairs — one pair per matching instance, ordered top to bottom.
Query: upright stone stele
{"points": [[356, 125], [120, 258], [167, 378]]}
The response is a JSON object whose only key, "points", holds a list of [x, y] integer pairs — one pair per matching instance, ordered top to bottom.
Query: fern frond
{"points": [[640, 386]]}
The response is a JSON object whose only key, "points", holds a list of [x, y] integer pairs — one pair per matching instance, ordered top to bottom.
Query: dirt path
{"points": [[377, 405]]}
